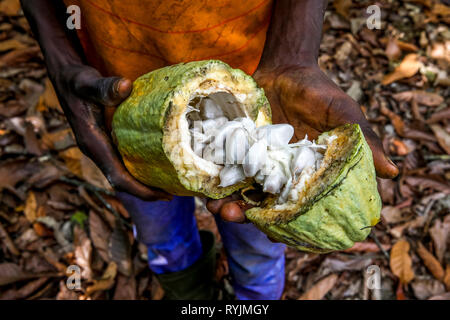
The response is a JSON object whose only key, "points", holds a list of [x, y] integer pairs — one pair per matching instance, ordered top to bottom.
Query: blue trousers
{"points": [[169, 231]]}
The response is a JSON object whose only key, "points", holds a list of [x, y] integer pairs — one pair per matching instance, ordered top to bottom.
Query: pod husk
{"points": [[337, 207]]}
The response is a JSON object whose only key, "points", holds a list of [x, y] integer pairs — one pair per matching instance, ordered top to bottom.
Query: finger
{"points": [[111, 91], [107, 92], [97, 145], [384, 166], [129, 184], [214, 206], [229, 208], [232, 212]]}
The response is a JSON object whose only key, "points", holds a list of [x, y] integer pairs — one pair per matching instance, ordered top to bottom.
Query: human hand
{"points": [[84, 94], [307, 99]]}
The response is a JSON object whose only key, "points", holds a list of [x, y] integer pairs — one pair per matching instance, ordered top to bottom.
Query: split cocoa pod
{"points": [[175, 117]]}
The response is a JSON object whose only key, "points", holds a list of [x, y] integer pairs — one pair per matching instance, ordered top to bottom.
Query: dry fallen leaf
{"points": [[10, 7], [343, 7], [11, 44], [407, 46], [392, 51], [440, 51], [18, 56], [406, 69], [49, 97], [425, 98], [396, 120], [442, 136], [59, 140], [399, 147], [72, 157], [84, 168], [14, 171], [92, 174], [425, 183], [31, 207], [394, 215], [397, 231], [439, 232], [100, 234], [6, 239], [367, 247], [120, 249], [83, 252], [401, 262], [430, 262], [338, 265], [10, 272], [447, 277], [106, 282], [125, 288], [425, 288], [320, 289], [23, 292], [157, 292], [444, 296]]}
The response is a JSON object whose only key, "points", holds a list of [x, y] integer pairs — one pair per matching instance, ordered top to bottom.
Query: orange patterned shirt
{"points": [[132, 37]]}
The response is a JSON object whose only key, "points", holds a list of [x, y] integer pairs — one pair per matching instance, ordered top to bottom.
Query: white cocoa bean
{"points": [[209, 109], [247, 123], [211, 126], [224, 133], [276, 135], [199, 137], [236, 146], [198, 148], [214, 154], [255, 158], [303, 159], [230, 175], [259, 177], [274, 181], [285, 192]]}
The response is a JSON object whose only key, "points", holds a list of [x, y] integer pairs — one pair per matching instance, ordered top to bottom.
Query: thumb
{"points": [[112, 91], [107, 92], [384, 166]]}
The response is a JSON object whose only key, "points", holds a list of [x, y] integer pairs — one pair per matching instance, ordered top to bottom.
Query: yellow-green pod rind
{"points": [[145, 125], [342, 214]]}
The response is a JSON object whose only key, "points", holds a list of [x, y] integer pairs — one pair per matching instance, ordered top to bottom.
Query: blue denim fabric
{"points": [[168, 229], [170, 233], [256, 263]]}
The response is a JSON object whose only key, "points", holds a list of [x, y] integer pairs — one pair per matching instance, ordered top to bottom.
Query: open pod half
{"points": [[151, 129], [338, 205]]}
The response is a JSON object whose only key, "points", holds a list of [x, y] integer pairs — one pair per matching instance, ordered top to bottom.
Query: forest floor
{"points": [[56, 209]]}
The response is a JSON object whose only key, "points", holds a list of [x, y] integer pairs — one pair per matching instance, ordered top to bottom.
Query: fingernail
{"points": [[117, 86], [391, 162]]}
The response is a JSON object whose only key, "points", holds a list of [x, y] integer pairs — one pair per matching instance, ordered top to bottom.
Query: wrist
{"points": [[294, 34], [302, 60]]}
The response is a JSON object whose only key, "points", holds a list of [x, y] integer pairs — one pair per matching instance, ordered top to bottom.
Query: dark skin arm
{"points": [[299, 92], [83, 93]]}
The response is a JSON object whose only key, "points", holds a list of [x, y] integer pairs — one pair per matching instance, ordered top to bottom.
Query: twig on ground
{"points": [[86, 185], [111, 208], [378, 243]]}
